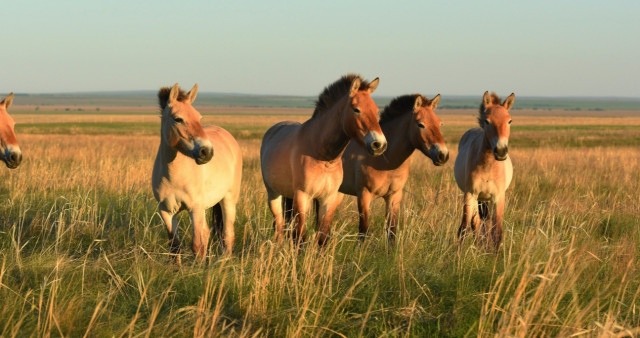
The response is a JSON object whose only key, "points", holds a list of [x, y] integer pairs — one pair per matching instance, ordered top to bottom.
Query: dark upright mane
{"points": [[335, 91], [163, 96], [401, 105], [482, 114]]}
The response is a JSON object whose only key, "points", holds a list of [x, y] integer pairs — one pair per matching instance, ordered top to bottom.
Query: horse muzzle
{"points": [[375, 143], [203, 152], [500, 153], [439, 155], [12, 157]]}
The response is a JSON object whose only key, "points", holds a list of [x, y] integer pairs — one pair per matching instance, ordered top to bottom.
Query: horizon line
{"points": [[133, 91]]}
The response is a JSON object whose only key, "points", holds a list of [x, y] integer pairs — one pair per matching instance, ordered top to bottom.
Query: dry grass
{"points": [[84, 253]]}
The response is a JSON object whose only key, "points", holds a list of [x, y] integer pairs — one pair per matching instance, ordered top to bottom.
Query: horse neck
{"points": [[324, 134], [399, 144], [485, 151], [170, 157]]}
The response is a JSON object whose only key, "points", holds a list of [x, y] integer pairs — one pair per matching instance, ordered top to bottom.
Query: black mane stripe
{"points": [[335, 91], [401, 105]]}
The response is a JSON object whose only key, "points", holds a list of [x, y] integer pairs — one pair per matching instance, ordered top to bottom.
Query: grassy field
{"points": [[83, 251]]}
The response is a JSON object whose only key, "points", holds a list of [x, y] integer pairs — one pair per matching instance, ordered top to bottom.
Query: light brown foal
{"points": [[409, 123], [10, 152], [303, 162], [196, 168], [483, 170]]}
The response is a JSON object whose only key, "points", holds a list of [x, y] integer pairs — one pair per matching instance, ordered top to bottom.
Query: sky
{"points": [[532, 48]]}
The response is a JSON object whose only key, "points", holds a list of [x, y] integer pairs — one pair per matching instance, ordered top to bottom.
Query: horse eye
{"points": [[356, 110], [178, 120], [487, 121], [509, 121], [420, 125]]}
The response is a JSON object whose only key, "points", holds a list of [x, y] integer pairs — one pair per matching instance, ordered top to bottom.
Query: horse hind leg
{"points": [[276, 206], [228, 207], [483, 210], [217, 221]]}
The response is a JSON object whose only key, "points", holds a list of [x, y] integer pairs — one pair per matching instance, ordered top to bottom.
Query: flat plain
{"points": [[83, 251]]}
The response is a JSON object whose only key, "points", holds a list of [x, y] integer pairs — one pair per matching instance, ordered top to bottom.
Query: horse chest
{"points": [[321, 179], [383, 183]]}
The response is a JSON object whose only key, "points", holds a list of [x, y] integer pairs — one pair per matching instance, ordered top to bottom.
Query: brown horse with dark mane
{"points": [[409, 123], [9, 151], [303, 162]]}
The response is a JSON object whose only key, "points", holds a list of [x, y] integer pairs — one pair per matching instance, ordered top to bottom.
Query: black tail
{"points": [[287, 207], [483, 210], [217, 224]]}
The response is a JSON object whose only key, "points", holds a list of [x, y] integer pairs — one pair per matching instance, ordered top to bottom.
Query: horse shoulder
{"points": [[350, 170]]}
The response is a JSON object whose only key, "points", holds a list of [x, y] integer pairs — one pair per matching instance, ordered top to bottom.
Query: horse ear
{"points": [[355, 84], [373, 85], [192, 93], [173, 95], [486, 100], [7, 101], [435, 101], [508, 102], [417, 104]]}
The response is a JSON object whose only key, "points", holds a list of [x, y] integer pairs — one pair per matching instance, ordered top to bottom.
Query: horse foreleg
{"points": [[364, 201], [393, 203], [300, 208], [326, 211], [467, 215], [171, 222], [496, 230], [201, 232]]}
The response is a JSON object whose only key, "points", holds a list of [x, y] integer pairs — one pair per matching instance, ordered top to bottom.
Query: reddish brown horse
{"points": [[409, 123], [9, 151], [303, 162], [483, 170], [187, 175]]}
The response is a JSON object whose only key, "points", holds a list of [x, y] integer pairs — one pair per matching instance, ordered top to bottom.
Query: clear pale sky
{"points": [[533, 48]]}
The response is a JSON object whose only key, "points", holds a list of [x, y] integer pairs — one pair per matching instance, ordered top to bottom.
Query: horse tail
{"points": [[287, 208], [483, 210], [217, 224]]}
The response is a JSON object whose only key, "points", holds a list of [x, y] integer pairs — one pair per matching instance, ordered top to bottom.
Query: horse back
{"points": [[227, 158]]}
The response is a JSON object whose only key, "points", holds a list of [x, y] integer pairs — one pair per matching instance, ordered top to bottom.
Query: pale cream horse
{"points": [[9, 151], [303, 162], [196, 168], [483, 170]]}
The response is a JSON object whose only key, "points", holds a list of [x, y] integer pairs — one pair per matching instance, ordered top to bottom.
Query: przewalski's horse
{"points": [[409, 123], [9, 151], [303, 162], [196, 168], [483, 170]]}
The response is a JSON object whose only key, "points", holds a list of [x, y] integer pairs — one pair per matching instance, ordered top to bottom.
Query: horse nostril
{"points": [[376, 145], [203, 152], [443, 157]]}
